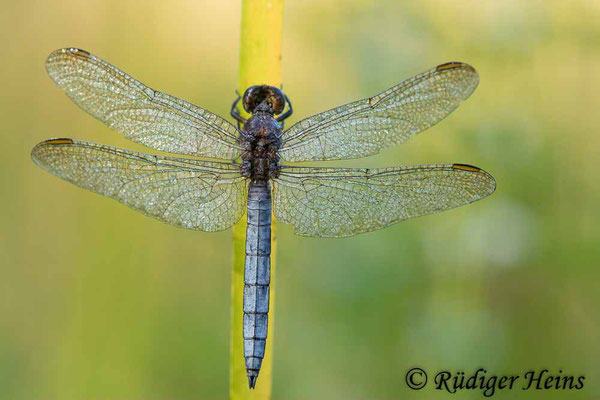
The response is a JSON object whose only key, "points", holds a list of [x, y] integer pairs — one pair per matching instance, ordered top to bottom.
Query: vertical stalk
{"points": [[260, 63]]}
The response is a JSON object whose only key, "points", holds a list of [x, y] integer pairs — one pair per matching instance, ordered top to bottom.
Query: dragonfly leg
{"points": [[288, 112], [235, 113]]}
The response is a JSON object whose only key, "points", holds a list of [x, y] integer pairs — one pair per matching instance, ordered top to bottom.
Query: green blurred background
{"points": [[100, 302]]}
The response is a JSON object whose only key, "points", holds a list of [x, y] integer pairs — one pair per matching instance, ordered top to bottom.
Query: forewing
{"points": [[142, 114], [367, 126], [194, 194], [339, 202]]}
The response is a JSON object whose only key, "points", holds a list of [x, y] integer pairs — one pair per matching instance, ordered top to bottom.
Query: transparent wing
{"points": [[142, 114], [365, 127], [194, 194], [339, 202]]}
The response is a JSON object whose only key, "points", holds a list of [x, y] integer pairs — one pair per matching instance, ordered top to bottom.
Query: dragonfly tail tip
{"points": [[252, 381]]}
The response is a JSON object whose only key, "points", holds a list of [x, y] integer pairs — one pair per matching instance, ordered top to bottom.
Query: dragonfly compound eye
{"points": [[270, 97]]}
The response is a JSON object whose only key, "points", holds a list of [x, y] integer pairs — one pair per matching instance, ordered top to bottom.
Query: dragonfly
{"points": [[210, 195]]}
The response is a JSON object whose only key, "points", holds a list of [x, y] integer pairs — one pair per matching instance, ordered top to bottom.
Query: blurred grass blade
{"points": [[260, 63]]}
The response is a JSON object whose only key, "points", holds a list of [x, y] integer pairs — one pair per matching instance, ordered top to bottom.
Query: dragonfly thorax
{"points": [[261, 140]]}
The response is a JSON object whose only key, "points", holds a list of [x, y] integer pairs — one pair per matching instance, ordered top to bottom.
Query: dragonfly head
{"points": [[263, 98]]}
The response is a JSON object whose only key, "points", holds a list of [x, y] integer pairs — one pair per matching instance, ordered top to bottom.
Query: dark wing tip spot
{"points": [[77, 52], [449, 65], [59, 141], [466, 167]]}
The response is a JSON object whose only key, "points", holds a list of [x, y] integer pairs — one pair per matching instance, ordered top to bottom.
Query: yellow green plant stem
{"points": [[260, 63]]}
